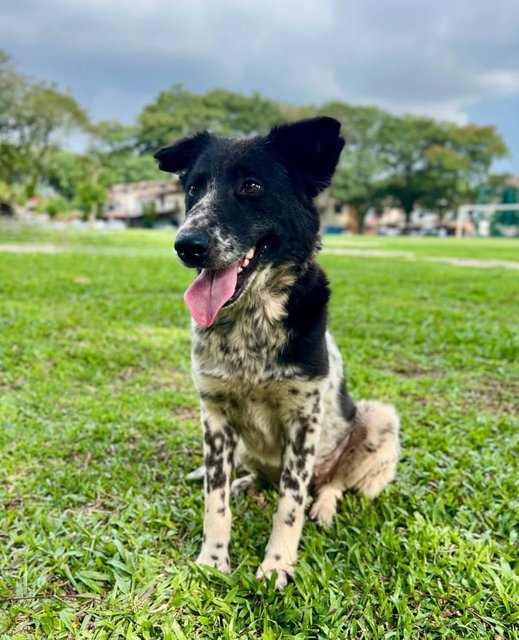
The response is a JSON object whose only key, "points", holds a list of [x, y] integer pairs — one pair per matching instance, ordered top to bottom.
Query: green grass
{"points": [[99, 426]]}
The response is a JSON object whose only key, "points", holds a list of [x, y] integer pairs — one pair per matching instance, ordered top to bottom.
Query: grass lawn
{"points": [[99, 426]]}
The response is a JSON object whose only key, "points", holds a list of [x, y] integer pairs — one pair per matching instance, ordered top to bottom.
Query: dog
{"points": [[269, 374]]}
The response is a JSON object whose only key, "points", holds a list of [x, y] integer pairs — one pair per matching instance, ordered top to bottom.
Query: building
{"points": [[146, 203]]}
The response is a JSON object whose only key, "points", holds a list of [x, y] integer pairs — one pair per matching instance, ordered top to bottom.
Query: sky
{"points": [[451, 59]]}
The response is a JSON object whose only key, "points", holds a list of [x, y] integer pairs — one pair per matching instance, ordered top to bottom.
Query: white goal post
{"points": [[487, 210]]}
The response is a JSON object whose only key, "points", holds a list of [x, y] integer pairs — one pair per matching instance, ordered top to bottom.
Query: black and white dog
{"points": [[269, 375]]}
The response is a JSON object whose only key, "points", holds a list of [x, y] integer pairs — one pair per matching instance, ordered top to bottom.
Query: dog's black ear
{"points": [[312, 147], [177, 157]]}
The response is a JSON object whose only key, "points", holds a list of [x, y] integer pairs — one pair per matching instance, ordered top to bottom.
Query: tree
{"points": [[9, 83], [178, 111], [35, 118], [113, 146], [435, 164], [361, 166]]}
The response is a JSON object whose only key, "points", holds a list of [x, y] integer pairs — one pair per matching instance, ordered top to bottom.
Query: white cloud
{"points": [[430, 58], [499, 81]]}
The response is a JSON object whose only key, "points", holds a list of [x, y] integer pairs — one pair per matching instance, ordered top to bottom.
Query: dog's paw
{"points": [[197, 475], [323, 511], [216, 559], [282, 570]]}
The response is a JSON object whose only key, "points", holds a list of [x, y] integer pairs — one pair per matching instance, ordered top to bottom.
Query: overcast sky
{"points": [[451, 59]]}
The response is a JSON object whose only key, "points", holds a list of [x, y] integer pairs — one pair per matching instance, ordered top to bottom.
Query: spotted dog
{"points": [[269, 375]]}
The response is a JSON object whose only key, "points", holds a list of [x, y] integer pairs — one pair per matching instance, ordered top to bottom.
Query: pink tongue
{"points": [[209, 292]]}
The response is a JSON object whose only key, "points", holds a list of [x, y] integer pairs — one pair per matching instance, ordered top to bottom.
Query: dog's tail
{"points": [[366, 460]]}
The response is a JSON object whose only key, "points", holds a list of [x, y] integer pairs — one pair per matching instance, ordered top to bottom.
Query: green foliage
{"points": [[178, 111], [35, 119], [435, 164], [361, 165], [131, 167], [65, 171], [6, 192], [90, 197], [53, 206], [149, 214], [99, 427]]}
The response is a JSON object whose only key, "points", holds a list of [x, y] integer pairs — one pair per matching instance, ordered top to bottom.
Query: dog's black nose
{"points": [[192, 247]]}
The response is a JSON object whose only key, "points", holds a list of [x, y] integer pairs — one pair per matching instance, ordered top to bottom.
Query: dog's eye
{"points": [[250, 187], [192, 190]]}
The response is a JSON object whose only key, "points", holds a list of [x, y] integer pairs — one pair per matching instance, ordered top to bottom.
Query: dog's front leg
{"points": [[303, 431], [219, 445]]}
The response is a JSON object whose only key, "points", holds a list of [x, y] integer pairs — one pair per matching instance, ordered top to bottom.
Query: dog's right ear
{"points": [[177, 157]]}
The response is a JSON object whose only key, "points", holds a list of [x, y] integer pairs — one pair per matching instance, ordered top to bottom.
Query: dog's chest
{"points": [[246, 352], [240, 371]]}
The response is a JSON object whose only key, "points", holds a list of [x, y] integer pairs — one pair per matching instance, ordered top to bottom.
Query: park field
{"points": [[99, 427]]}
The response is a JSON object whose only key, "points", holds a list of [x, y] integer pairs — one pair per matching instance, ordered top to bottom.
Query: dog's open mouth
{"points": [[217, 288]]}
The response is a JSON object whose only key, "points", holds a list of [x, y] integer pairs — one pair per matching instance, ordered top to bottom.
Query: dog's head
{"points": [[249, 205]]}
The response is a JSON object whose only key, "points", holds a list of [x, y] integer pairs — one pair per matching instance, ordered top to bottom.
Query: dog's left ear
{"points": [[310, 147], [177, 157]]}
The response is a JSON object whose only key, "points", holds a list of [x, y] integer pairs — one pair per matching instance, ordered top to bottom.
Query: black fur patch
{"points": [[306, 320], [348, 408], [290, 518]]}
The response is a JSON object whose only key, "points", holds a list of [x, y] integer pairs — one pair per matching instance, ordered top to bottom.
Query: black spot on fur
{"points": [[215, 398], [299, 440], [218, 478], [289, 481], [290, 518], [219, 545], [277, 556], [215, 557]]}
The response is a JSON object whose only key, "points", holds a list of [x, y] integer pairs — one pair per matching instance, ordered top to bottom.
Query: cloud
{"points": [[431, 58], [500, 81]]}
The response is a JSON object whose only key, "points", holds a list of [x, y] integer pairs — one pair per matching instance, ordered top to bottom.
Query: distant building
{"points": [[512, 181], [146, 203], [335, 216]]}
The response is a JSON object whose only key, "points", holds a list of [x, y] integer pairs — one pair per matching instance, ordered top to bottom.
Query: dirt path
{"points": [[358, 253], [455, 262]]}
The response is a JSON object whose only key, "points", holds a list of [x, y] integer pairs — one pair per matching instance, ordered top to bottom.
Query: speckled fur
{"points": [[269, 375], [290, 429]]}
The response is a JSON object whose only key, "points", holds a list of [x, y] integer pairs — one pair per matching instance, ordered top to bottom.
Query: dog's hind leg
{"points": [[367, 462], [197, 475], [246, 484], [325, 505]]}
